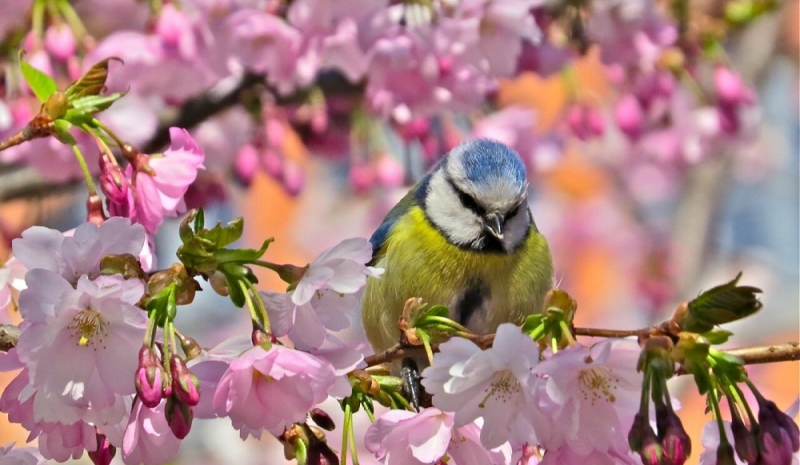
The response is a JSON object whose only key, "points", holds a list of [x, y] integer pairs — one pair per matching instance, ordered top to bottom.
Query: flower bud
{"points": [[59, 41], [728, 85], [629, 116], [585, 121], [273, 163], [246, 164], [388, 171], [293, 178], [361, 178], [113, 182], [94, 210], [149, 378], [184, 383], [179, 417], [322, 419], [639, 430], [778, 435], [744, 441], [676, 444], [651, 451], [104, 453], [320, 453], [725, 454]]}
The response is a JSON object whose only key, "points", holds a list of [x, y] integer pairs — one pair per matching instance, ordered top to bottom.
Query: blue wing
{"points": [[414, 197]]}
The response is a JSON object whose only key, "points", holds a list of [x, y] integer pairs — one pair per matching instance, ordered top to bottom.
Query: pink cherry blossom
{"points": [[630, 32], [266, 44], [160, 194], [78, 254], [325, 295], [76, 343], [209, 367], [490, 384], [271, 389], [590, 396], [429, 437], [148, 438], [11, 455], [567, 455]]}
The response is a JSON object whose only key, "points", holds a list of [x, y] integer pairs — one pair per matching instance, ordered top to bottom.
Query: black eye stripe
{"points": [[466, 200]]}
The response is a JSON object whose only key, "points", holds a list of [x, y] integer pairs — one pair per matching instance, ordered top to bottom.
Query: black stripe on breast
{"points": [[471, 301]]}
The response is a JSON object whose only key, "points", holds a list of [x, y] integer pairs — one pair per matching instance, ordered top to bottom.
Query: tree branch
{"points": [[785, 352]]}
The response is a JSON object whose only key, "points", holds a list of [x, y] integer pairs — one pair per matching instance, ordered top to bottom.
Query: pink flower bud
{"points": [[60, 42], [728, 85], [629, 116], [585, 121], [414, 129], [275, 131], [273, 163], [246, 164], [388, 171], [293, 178], [361, 178], [113, 182], [149, 378], [184, 383], [179, 417], [744, 441], [104, 453]]}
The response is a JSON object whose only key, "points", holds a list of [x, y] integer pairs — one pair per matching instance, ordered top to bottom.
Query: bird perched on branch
{"points": [[463, 237]]}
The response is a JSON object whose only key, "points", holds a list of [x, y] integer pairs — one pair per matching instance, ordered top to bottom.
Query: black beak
{"points": [[494, 225]]}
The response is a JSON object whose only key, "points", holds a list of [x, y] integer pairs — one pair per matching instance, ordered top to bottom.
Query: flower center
{"points": [[88, 324], [598, 383], [504, 388]]}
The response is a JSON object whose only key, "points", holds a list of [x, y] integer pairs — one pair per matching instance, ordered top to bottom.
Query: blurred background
{"points": [[630, 239]]}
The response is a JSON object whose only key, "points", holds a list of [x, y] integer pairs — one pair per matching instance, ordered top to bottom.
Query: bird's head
{"points": [[477, 197]]}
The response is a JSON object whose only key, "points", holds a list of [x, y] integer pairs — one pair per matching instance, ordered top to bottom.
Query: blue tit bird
{"points": [[463, 237]]}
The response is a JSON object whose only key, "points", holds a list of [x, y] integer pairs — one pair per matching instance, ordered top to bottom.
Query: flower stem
{"points": [[37, 20], [108, 131], [87, 175], [566, 332], [348, 418], [352, 438]]}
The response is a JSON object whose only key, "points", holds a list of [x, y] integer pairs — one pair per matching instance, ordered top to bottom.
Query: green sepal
{"points": [[42, 85], [62, 133], [199, 219], [162, 307], [531, 323], [717, 336], [300, 452]]}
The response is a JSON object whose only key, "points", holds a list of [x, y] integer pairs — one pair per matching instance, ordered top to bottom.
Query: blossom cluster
{"points": [[87, 384], [576, 405]]}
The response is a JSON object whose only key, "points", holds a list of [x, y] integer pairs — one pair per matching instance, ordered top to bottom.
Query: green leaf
{"points": [[91, 83], [42, 85], [62, 128], [719, 305]]}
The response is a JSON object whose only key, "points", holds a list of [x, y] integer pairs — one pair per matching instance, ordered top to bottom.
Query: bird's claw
{"points": [[409, 372]]}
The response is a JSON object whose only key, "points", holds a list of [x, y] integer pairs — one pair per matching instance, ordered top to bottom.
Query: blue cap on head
{"points": [[485, 160]]}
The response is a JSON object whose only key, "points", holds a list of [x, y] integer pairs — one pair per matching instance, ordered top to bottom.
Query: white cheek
{"points": [[444, 209]]}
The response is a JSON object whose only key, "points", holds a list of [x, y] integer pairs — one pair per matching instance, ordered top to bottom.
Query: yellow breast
{"points": [[420, 262]]}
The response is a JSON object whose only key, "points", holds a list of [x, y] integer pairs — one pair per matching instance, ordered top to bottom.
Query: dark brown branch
{"points": [[198, 109]]}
